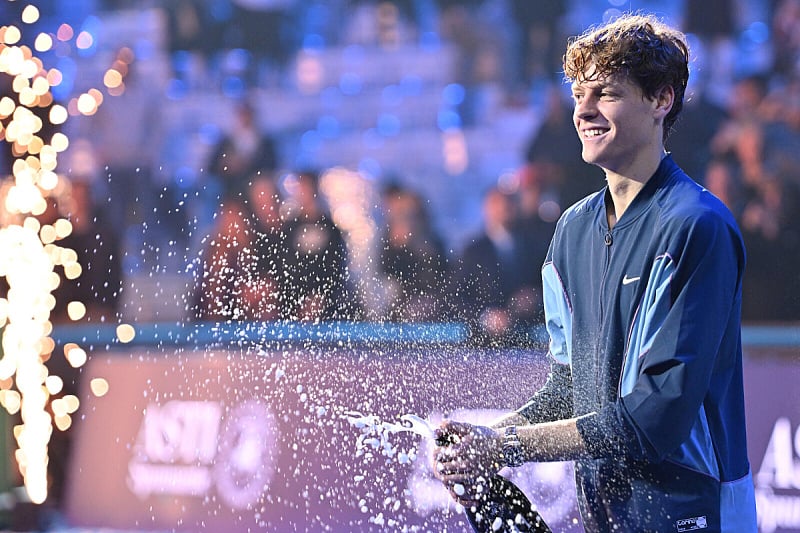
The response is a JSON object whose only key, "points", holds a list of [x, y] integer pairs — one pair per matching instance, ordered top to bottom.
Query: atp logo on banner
{"points": [[188, 448], [778, 480]]}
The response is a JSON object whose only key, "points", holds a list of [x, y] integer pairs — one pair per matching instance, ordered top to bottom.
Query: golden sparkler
{"points": [[30, 251]]}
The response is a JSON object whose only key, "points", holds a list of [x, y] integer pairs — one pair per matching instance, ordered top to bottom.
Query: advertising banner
{"points": [[773, 434], [292, 439], [300, 439]]}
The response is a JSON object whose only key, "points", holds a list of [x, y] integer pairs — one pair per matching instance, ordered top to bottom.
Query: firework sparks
{"points": [[31, 254]]}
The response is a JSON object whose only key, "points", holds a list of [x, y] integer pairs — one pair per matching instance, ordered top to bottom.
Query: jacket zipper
{"points": [[608, 240]]}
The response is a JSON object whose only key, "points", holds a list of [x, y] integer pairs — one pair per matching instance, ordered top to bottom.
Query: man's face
{"points": [[616, 124]]}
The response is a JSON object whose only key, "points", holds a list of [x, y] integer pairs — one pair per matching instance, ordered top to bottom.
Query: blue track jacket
{"points": [[645, 346]]}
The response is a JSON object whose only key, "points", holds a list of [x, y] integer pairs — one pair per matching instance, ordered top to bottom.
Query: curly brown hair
{"points": [[649, 52]]}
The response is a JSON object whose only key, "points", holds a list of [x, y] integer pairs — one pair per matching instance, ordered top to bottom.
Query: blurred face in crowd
{"points": [[265, 200], [498, 210], [403, 217]]}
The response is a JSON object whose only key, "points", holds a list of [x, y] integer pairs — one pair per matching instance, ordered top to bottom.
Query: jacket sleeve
{"points": [[692, 301], [554, 400]]}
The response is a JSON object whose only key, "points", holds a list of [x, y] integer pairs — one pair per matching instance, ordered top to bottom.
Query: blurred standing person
{"points": [[715, 25], [263, 28], [541, 39], [785, 39], [700, 120], [740, 132], [123, 134], [242, 151], [762, 151], [721, 180], [537, 212], [316, 256], [412, 258], [498, 287], [642, 296]]}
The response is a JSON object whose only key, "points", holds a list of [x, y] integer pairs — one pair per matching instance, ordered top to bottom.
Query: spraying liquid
{"points": [[504, 508]]}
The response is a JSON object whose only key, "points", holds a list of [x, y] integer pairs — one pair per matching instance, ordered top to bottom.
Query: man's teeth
{"points": [[593, 133]]}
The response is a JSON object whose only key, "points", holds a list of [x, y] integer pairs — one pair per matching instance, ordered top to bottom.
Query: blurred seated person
{"points": [[98, 251], [412, 259], [316, 262], [226, 263], [243, 274], [264, 294], [499, 294]]}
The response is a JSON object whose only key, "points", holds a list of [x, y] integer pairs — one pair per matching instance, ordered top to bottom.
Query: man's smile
{"points": [[591, 133]]}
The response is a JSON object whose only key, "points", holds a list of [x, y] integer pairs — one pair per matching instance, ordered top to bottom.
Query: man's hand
{"points": [[465, 458]]}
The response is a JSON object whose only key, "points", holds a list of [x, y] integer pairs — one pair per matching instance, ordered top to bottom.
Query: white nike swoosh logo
{"points": [[627, 281]]}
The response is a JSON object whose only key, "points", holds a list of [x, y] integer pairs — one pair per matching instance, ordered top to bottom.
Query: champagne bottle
{"points": [[502, 507]]}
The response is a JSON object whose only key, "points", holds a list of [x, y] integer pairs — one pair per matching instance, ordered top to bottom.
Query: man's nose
{"points": [[586, 107]]}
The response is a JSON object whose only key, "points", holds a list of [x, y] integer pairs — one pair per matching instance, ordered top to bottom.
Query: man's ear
{"points": [[663, 101]]}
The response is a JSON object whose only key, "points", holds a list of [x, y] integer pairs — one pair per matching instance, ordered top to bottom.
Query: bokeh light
{"points": [[32, 256]]}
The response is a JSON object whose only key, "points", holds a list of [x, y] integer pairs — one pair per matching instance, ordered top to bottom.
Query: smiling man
{"points": [[642, 294]]}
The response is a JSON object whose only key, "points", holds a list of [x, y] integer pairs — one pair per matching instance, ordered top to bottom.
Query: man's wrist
{"points": [[513, 454]]}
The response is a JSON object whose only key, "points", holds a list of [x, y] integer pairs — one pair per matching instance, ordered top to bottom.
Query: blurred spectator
{"points": [[386, 23], [715, 25], [262, 28], [189, 39], [541, 39], [785, 44], [478, 56], [782, 102], [780, 110], [124, 133], [740, 136], [690, 139], [242, 152], [760, 153], [554, 154], [721, 180], [537, 213], [772, 237], [98, 252], [412, 258], [316, 261], [226, 264], [243, 275], [498, 290], [264, 293]]}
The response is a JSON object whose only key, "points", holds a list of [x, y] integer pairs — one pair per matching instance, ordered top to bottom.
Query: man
{"points": [[642, 295]]}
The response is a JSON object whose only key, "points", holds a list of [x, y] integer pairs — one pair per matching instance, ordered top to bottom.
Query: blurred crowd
{"points": [[739, 136], [273, 248], [275, 253]]}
